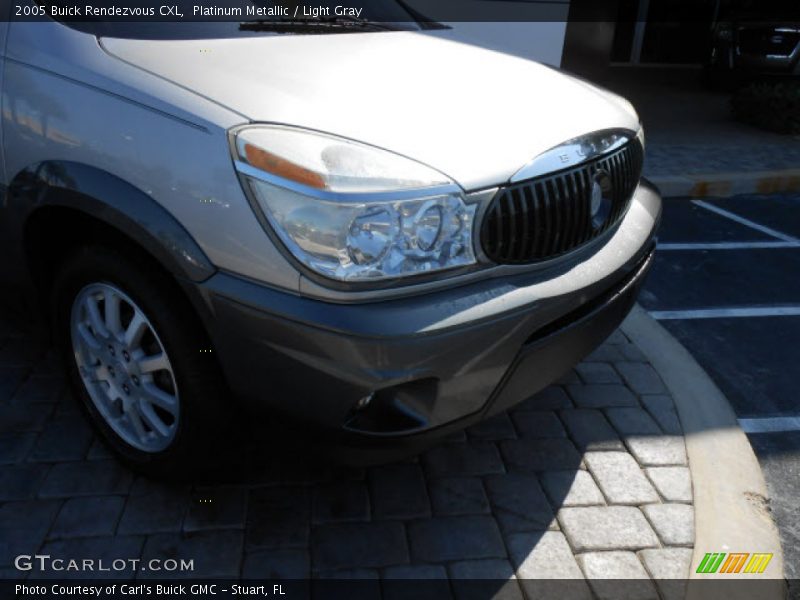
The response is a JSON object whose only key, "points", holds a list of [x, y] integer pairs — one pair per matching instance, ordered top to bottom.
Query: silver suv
{"points": [[385, 235]]}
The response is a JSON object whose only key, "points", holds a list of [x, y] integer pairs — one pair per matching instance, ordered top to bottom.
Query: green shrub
{"points": [[772, 106]]}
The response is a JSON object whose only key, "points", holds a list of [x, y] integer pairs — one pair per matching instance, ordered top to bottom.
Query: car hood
{"points": [[473, 114]]}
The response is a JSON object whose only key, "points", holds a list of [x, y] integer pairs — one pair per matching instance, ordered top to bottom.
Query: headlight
{"points": [[353, 212]]}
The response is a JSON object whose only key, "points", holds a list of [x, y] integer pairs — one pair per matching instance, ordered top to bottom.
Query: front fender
{"points": [[108, 200], [113, 201]]}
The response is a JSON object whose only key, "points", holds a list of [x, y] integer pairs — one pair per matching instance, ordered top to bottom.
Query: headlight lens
{"points": [[353, 212]]}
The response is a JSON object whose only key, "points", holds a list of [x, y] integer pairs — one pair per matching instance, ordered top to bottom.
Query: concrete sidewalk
{"points": [[694, 146]]}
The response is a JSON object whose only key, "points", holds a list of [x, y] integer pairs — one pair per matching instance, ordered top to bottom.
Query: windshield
{"points": [[242, 18]]}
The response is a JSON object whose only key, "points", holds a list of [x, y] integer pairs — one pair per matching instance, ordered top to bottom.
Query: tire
{"points": [[144, 373]]}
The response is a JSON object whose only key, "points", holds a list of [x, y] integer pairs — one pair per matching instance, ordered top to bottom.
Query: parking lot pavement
{"points": [[701, 137], [725, 283], [587, 478]]}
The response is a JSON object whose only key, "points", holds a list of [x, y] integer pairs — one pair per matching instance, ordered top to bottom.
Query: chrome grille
{"points": [[545, 217]]}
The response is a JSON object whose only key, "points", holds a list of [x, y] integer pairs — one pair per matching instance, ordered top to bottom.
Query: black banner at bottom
{"points": [[477, 589]]}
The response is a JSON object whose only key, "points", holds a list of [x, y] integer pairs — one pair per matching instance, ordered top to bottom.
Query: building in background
{"points": [[586, 36]]}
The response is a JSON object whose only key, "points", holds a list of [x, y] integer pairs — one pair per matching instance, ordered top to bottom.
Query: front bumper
{"points": [[401, 372]]}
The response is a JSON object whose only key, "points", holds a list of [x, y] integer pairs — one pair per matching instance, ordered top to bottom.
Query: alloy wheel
{"points": [[125, 367]]}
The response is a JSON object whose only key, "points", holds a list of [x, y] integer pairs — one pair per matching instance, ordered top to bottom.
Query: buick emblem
{"points": [[600, 204]]}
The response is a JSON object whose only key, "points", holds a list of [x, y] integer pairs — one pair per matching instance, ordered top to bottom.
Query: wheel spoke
{"points": [[94, 316], [112, 318], [136, 329], [90, 343], [156, 362], [99, 374], [154, 395], [110, 399], [151, 418], [135, 419]]}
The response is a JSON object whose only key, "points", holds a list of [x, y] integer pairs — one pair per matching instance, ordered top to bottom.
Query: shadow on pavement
{"points": [[572, 482]]}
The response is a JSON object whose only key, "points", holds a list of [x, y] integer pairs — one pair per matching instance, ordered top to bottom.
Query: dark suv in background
{"points": [[755, 39]]}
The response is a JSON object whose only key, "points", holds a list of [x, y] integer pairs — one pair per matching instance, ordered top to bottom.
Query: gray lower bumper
{"points": [[427, 363]]}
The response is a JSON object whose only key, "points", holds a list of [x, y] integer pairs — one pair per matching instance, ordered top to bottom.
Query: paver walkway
{"points": [[587, 479]]}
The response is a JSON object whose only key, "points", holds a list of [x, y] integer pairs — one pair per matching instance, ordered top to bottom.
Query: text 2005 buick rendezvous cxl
{"points": [[379, 232]]}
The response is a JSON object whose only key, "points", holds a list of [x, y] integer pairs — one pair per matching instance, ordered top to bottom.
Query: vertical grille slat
{"points": [[626, 162], [629, 178], [619, 191], [586, 200], [571, 208], [560, 210], [568, 213], [542, 218], [549, 218], [526, 220], [512, 223], [540, 226], [499, 229], [519, 240]]}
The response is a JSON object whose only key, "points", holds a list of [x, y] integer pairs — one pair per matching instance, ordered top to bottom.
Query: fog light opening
{"points": [[399, 409]]}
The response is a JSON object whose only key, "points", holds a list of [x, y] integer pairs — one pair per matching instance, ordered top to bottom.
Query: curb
{"points": [[728, 184], [730, 494]]}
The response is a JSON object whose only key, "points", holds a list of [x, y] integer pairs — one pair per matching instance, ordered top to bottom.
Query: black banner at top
{"points": [[417, 12]]}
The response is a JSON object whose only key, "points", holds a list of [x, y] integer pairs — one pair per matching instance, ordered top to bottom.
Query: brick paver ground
{"points": [[587, 478]]}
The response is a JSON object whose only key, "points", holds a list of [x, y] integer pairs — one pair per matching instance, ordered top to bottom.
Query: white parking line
{"points": [[745, 222], [726, 245], [726, 313], [769, 424]]}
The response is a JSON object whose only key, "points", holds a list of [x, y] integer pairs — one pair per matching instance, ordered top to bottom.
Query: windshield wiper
{"points": [[423, 21], [314, 24]]}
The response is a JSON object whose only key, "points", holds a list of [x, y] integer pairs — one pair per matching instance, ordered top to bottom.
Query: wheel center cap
{"points": [[118, 368]]}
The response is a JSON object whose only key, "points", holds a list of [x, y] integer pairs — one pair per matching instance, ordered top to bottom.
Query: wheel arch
{"points": [[56, 205]]}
